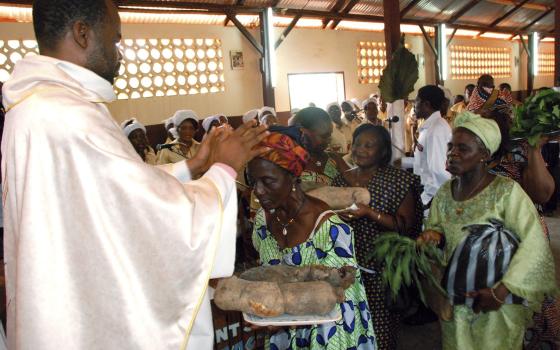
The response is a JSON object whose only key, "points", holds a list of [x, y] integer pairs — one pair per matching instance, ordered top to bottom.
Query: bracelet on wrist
{"points": [[495, 297]]}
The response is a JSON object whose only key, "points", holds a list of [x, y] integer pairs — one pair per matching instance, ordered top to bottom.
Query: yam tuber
{"points": [[341, 197], [343, 277], [269, 291], [258, 298], [310, 298]]}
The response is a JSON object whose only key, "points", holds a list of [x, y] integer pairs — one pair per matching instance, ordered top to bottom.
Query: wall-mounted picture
{"points": [[236, 59]]}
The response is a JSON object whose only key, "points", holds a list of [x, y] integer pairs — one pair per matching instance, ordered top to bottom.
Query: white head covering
{"points": [[366, 101], [348, 102], [356, 102], [332, 104], [266, 109], [182, 115], [250, 115], [208, 120], [168, 122], [134, 125], [173, 132]]}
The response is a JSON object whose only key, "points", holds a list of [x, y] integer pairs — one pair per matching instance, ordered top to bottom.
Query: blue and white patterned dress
{"points": [[331, 244]]}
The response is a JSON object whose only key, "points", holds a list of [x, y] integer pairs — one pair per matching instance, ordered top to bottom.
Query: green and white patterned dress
{"points": [[330, 172], [331, 244]]}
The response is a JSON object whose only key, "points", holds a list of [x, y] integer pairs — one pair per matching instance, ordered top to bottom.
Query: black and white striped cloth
{"points": [[480, 260]]}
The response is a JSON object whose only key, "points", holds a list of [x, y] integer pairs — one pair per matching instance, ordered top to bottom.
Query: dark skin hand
{"points": [[231, 147], [367, 152], [485, 302]]}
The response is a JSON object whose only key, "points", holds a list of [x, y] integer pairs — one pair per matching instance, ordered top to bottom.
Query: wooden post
{"points": [[392, 20], [557, 44], [268, 89]]}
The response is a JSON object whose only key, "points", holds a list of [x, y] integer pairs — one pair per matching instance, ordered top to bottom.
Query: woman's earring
{"points": [[293, 188]]}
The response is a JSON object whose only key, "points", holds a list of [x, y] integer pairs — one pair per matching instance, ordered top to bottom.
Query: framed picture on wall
{"points": [[236, 58]]}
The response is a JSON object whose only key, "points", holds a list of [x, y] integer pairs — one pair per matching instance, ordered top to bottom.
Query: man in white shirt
{"points": [[339, 142], [431, 149], [103, 251]]}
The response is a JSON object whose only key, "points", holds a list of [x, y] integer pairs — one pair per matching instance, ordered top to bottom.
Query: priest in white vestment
{"points": [[103, 251]]}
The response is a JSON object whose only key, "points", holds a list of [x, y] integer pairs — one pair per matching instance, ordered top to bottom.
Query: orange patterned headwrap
{"points": [[285, 153]]}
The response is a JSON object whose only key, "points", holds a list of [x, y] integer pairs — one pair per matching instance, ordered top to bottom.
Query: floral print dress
{"points": [[330, 244]]}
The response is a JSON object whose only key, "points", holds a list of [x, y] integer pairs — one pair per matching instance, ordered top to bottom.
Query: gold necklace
{"points": [[460, 210], [285, 226]]}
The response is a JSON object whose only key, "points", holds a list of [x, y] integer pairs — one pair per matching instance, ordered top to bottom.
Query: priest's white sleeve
{"points": [[179, 170], [202, 334]]}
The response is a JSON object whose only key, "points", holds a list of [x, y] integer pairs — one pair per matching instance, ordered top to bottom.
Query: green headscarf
{"points": [[487, 130]]}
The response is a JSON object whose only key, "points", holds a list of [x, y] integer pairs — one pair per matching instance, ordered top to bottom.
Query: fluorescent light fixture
{"points": [[442, 45], [271, 49], [535, 53]]}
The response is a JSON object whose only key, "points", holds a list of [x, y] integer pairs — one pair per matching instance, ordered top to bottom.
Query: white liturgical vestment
{"points": [[102, 251]]}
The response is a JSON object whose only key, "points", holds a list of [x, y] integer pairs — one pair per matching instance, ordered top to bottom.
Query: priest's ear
{"points": [[82, 34]]}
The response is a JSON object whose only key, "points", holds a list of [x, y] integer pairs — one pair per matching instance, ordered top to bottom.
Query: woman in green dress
{"points": [[317, 128], [474, 196], [294, 229]]}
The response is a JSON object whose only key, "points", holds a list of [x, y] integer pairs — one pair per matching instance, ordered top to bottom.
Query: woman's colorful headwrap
{"points": [[285, 153]]}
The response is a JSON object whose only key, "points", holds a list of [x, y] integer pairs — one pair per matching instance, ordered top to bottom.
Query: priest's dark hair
{"points": [[53, 18]]}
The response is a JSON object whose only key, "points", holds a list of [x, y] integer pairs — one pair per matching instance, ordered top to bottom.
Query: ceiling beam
{"points": [[183, 5], [349, 6], [530, 6], [190, 7], [336, 7], [409, 7], [462, 11], [509, 13], [506, 15], [543, 15], [367, 18], [287, 31], [246, 33], [451, 37], [427, 38]]}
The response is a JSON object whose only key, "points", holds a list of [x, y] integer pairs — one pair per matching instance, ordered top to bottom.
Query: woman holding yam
{"points": [[395, 205], [294, 229], [493, 316]]}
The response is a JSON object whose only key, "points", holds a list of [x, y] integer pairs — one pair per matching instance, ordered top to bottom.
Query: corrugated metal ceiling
{"points": [[425, 11]]}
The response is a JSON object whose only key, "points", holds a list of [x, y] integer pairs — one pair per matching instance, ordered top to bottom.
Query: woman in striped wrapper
{"points": [[474, 196]]}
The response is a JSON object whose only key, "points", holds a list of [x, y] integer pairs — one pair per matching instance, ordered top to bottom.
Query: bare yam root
{"points": [[340, 197], [343, 277], [269, 291], [258, 298], [310, 298]]}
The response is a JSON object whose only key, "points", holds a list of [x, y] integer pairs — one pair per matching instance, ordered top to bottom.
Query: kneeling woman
{"points": [[294, 229]]}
